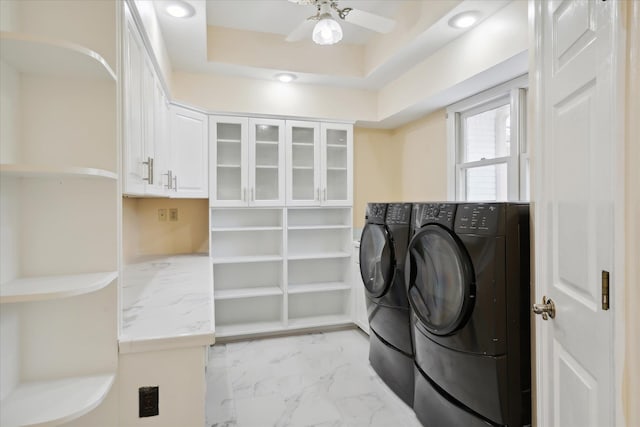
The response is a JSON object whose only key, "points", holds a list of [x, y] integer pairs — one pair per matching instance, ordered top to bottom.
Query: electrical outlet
{"points": [[162, 214], [173, 214], [148, 401]]}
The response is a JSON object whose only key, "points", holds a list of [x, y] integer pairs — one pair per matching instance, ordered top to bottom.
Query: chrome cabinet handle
{"points": [[149, 164], [169, 179], [175, 183], [318, 193], [325, 194], [243, 196], [252, 199], [547, 309]]}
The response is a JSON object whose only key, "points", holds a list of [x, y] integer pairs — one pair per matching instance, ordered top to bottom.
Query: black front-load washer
{"points": [[382, 252], [467, 276]]}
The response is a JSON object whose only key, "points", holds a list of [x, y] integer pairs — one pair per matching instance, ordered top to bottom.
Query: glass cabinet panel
{"points": [[267, 157], [229, 161], [303, 162], [337, 164]]}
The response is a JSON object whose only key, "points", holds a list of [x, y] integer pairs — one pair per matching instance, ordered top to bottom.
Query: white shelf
{"points": [[40, 55], [230, 141], [268, 142], [302, 144], [336, 145], [228, 166], [266, 167], [302, 168], [337, 169], [22, 170], [319, 227], [224, 229], [321, 255], [243, 259], [52, 287], [318, 287], [247, 292], [316, 321], [248, 329], [49, 403]]}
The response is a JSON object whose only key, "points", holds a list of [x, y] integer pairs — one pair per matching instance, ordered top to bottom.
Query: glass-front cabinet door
{"points": [[337, 156], [266, 162], [303, 163], [228, 170]]}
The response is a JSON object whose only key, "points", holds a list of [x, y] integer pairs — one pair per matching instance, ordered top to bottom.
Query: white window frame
{"points": [[513, 92]]}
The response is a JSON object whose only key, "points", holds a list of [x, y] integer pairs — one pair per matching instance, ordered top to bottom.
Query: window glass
{"points": [[487, 135], [486, 183]]}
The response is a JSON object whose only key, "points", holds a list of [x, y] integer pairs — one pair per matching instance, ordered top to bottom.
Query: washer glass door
{"points": [[377, 259], [439, 279]]}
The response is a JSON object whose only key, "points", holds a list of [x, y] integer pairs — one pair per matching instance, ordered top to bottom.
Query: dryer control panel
{"points": [[376, 213], [430, 213], [398, 214], [480, 218]]}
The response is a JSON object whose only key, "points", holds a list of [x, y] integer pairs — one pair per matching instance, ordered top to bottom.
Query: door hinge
{"points": [[605, 290]]}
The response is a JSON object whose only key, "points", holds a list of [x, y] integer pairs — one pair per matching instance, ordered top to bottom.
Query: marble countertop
{"points": [[167, 302]]}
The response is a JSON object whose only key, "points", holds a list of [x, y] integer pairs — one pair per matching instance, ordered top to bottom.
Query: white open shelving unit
{"points": [[59, 198], [278, 269]]}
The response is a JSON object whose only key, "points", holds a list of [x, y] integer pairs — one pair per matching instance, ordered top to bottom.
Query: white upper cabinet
{"points": [[145, 127], [133, 148], [189, 153], [337, 161], [247, 162], [266, 162], [303, 163], [319, 164]]}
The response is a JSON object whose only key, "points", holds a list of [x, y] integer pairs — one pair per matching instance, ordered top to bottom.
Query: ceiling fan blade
{"points": [[370, 21], [301, 31]]}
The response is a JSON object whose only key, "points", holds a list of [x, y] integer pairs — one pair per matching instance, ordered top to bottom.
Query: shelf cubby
{"points": [[319, 216], [243, 217], [324, 240], [260, 277], [52, 287], [320, 307], [246, 312], [54, 402]]}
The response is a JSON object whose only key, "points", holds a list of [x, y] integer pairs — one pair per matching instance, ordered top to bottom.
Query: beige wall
{"points": [[424, 157], [376, 163], [405, 164], [144, 234]]}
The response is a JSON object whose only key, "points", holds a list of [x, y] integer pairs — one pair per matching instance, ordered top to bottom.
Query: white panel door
{"points": [[133, 147], [189, 153], [229, 159], [303, 163], [574, 213]]}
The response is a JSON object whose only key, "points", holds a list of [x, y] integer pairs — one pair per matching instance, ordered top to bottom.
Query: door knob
{"points": [[547, 309]]}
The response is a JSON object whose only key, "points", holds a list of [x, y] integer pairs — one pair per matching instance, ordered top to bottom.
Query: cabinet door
{"points": [[151, 133], [133, 147], [228, 147], [189, 153], [337, 160], [161, 162], [266, 162], [303, 163]]}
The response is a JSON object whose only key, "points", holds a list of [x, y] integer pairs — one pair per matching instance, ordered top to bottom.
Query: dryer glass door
{"points": [[377, 259], [439, 279]]}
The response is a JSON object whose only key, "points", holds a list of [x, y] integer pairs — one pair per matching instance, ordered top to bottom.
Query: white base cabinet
{"points": [[278, 269]]}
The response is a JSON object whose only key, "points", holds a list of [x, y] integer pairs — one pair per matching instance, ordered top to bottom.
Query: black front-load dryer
{"points": [[382, 252], [467, 276]]}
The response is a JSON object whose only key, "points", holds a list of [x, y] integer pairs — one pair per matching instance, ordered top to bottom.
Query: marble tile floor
{"points": [[319, 380]]}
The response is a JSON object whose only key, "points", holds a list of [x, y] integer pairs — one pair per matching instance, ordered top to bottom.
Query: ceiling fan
{"points": [[326, 29]]}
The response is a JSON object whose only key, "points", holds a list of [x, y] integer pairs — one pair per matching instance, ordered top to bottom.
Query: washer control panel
{"points": [[376, 212], [438, 213], [398, 214], [479, 218]]}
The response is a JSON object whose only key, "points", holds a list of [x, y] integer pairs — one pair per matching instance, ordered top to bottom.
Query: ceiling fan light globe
{"points": [[327, 31]]}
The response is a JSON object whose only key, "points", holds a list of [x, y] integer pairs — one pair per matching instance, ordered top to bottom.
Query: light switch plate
{"points": [[162, 214], [173, 214]]}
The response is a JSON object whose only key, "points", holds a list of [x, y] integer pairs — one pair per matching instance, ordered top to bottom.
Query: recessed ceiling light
{"points": [[180, 9], [464, 19], [286, 77]]}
